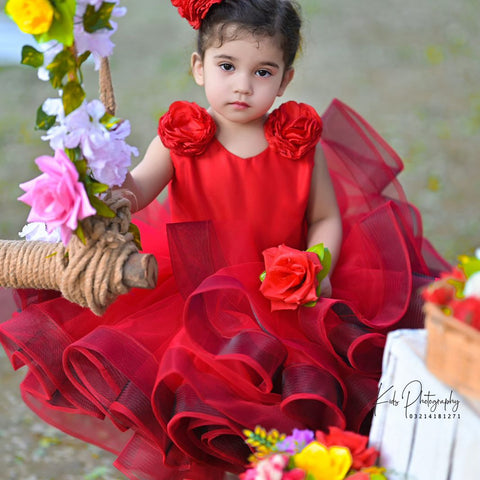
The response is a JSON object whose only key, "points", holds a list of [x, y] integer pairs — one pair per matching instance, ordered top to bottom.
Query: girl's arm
{"points": [[150, 176], [323, 214]]}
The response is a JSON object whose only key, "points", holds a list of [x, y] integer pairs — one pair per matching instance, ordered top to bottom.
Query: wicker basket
{"points": [[453, 351]]}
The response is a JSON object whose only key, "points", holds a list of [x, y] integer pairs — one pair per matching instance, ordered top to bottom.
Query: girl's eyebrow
{"points": [[232, 59]]}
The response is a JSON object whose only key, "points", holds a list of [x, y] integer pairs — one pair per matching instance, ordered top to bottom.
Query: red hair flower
{"points": [[194, 10]]}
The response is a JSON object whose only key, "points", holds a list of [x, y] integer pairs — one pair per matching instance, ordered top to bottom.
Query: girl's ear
{"points": [[196, 64], [287, 78]]}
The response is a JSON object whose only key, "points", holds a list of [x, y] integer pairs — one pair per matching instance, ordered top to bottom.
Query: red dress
{"points": [[168, 378]]}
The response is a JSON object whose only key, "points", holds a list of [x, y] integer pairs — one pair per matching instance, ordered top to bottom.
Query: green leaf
{"points": [[94, 20], [62, 24], [31, 57], [83, 57], [63, 63], [73, 96], [44, 121], [109, 121], [81, 166], [95, 187], [101, 207], [133, 229], [80, 234], [325, 259], [469, 265], [262, 276]]}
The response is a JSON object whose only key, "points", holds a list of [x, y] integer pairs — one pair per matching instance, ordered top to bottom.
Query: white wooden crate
{"points": [[422, 428]]}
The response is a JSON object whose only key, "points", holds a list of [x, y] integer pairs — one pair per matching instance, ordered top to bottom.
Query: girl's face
{"points": [[242, 77]]}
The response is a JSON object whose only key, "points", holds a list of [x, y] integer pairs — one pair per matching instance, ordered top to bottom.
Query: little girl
{"points": [[236, 334]]}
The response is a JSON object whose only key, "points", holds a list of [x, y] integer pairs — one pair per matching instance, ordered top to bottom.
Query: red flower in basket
{"points": [[194, 10], [457, 293]]}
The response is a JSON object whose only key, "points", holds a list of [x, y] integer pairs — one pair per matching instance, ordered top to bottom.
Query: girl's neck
{"points": [[242, 139]]}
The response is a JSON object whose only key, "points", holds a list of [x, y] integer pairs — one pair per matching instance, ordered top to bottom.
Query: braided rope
{"points": [[90, 274]]}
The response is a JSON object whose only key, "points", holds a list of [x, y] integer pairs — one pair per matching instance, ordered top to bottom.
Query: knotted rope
{"points": [[92, 274]]}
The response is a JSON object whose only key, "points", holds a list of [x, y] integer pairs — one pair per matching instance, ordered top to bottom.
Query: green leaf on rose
{"points": [[94, 20], [62, 24], [32, 57], [63, 63], [72, 97], [43, 120], [80, 165], [95, 187], [101, 207], [80, 234], [325, 259], [469, 265], [262, 276]]}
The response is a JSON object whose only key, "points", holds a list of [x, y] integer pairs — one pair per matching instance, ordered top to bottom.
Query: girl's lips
{"points": [[240, 105]]}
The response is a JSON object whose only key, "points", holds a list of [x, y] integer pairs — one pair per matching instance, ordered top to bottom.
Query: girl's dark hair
{"points": [[258, 17]]}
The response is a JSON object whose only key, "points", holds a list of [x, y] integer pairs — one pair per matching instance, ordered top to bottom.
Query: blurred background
{"points": [[411, 68]]}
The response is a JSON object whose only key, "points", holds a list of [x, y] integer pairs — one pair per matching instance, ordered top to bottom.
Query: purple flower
{"points": [[57, 197], [296, 442]]}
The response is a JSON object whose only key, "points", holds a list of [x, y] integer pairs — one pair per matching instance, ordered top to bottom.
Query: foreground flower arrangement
{"points": [[90, 151], [457, 293], [308, 455]]}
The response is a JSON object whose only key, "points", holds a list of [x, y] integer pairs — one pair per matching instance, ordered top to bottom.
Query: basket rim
{"points": [[435, 314]]}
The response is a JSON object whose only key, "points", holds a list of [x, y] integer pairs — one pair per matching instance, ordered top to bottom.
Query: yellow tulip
{"points": [[31, 16], [324, 463]]}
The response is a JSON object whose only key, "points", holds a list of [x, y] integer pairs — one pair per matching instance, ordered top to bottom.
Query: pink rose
{"points": [[57, 197], [290, 277]]}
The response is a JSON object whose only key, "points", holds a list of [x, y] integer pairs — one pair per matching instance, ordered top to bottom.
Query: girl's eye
{"points": [[227, 67], [263, 73]]}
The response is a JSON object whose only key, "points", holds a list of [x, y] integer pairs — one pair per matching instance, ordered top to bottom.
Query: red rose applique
{"points": [[194, 10], [186, 128], [293, 129], [290, 278]]}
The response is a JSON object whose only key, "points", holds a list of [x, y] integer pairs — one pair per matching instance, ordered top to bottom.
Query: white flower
{"points": [[98, 43], [50, 50], [38, 231], [472, 285]]}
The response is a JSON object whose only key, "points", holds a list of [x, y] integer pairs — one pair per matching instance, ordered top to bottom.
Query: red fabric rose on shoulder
{"points": [[194, 10], [186, 128], [293, 129]]}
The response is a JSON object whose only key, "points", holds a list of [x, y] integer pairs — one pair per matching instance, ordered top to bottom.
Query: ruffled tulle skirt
{"points": [[167, 379]]}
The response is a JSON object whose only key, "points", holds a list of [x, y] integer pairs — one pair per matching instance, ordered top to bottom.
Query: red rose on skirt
{"points": [[194, 10], [186, 128], [293, 129], [290, 277], [357, 444]]}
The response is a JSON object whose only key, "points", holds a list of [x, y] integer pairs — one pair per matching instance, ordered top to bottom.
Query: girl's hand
{"points": [[326, 287]]}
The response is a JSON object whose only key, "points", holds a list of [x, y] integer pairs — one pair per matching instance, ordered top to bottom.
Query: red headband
{"points": [[194, 10]]}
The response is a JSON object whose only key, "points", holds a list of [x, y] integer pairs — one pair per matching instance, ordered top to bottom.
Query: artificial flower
{"points": [[194, 11], [31, 16], [98, 43], [186, 128], [293, 129], [107, 154], [57, 197], [37, 231], [290, 277], [457, 293], [295, 442], [362, 456], [324, 463]]}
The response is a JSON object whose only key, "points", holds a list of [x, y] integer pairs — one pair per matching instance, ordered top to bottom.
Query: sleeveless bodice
{"points": [[254, 202]]}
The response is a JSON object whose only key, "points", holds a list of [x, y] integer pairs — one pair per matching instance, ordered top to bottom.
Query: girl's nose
{"points": [[243, 85]]}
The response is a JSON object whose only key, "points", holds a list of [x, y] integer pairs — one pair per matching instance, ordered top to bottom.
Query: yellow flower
{"points": [[31, 16], [324, 463]]}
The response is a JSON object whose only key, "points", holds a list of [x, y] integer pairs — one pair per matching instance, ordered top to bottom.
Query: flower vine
{"points": [[91, 154]]}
